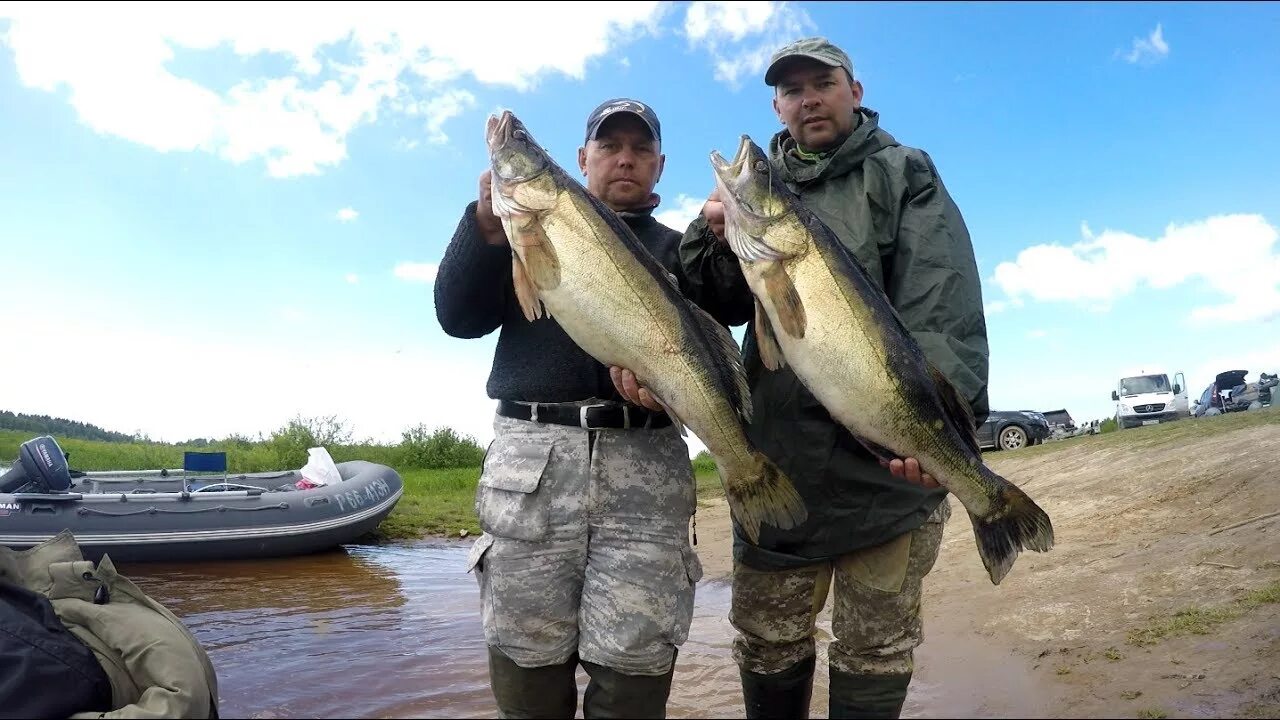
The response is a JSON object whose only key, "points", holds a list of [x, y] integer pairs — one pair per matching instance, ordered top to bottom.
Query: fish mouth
{"points": [[498, 130], [726, 170]]}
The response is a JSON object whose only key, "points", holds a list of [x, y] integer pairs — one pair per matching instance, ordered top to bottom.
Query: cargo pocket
{"points": [[508, 503], [476, 556], [692, 565], [883, 567], [678, 631]]}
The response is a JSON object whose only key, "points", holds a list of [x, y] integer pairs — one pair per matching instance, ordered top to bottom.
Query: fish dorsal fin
{"points": [[726, 359], [956, 408]]}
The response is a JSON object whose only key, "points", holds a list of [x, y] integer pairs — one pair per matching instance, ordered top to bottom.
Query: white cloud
{"points": [[741, 36], [1150, 49], [346, 66], [442, 108], [685, 210], [347, 214], [1233, 255], [417, 272], [352, 278], [1037, 334], [258, 387]]}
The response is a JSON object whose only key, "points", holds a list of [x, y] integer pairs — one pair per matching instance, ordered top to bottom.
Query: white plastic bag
{"points": [[320, 468]]}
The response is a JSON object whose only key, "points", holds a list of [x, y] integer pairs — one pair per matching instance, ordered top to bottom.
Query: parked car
{"points": [[1230, 393], [1012, 429]]}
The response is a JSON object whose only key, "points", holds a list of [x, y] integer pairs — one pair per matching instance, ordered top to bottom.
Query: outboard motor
{"points": [[42, 462]]}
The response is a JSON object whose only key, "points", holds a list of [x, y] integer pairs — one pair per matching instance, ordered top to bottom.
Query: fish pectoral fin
{"points": [[540, 258], [526, 293], [786, 301], [770, 354], [956, 407]]}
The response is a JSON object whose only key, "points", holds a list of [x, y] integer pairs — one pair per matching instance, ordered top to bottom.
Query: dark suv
{"points": [[1012, 429]]}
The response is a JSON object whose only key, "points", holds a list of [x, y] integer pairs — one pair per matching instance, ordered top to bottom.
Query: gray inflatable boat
{"points": [[162, 515]]}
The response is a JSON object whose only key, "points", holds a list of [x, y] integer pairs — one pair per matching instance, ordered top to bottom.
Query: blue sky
{"points": [[213, 218]]}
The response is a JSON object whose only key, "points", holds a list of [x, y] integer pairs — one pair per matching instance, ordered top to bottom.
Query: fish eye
{"points": [[519, 135], [762, 166]]}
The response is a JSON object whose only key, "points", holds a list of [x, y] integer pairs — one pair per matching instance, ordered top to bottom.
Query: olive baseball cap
{"points": [[814, 48]]}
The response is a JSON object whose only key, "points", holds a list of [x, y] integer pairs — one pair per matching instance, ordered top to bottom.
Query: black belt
{"points": [[590, 417]]}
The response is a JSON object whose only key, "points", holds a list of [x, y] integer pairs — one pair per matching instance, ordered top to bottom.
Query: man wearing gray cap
{"points": [[584, 499], [874, 529]]}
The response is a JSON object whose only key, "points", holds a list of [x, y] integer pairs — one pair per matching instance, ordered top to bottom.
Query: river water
{"points": [[394, 631]]}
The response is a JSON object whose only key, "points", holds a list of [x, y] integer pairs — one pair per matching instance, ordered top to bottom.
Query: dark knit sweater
{"points": [[534, 361]]}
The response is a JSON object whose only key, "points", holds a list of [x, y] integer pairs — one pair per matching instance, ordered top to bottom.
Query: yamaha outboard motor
{"points": [[42, 462]]}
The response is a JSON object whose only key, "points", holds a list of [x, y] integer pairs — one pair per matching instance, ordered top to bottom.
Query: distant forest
{"points": [[60, 427]]}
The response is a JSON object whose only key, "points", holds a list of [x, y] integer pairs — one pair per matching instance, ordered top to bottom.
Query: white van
{"points": [[1146, 397]]}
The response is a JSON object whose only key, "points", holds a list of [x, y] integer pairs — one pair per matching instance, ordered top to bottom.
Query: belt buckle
{"points": [[582, 417]]}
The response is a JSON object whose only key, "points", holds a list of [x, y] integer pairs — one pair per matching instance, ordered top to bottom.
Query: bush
{"points": [[1108, 425], [291, 442], [439, 448], [704, 462]]}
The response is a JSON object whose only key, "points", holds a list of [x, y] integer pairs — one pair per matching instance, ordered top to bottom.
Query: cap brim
{"points": [[771, 75], [594, 128]]}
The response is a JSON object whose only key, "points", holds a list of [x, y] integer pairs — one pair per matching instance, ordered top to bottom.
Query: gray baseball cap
{"points": [[814, 48]]}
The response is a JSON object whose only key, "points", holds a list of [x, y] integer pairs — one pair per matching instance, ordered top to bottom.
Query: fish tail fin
{"points": [[762, 494], [1017, 523]]}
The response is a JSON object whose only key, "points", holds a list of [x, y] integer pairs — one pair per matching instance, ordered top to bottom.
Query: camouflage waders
{"points": [[585, 557], [875, 620]]}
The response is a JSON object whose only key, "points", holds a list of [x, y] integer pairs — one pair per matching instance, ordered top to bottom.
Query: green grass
{"points": [[708, 485], [438, 502], [1202, 621]]}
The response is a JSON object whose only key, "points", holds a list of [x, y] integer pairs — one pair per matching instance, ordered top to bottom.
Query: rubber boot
{"points": [[550, 691], [611, 694], [780, 695], [867, 696]]}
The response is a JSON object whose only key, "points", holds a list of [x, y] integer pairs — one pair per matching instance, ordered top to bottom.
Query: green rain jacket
{"points": [[889, 207]]}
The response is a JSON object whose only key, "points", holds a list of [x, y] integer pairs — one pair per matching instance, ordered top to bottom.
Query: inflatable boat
{"points": [[167, 515]]}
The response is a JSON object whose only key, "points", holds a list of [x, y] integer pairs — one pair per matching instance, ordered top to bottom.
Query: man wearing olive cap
{"points": [[874, 528]]}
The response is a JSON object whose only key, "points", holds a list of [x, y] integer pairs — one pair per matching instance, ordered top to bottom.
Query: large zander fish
{"points": [[575, 260], [819, 311]]}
